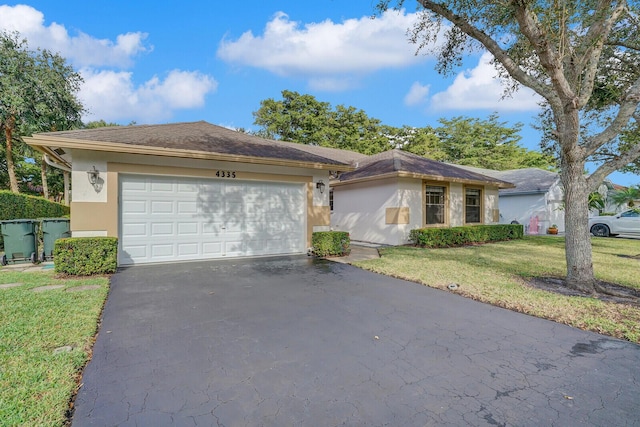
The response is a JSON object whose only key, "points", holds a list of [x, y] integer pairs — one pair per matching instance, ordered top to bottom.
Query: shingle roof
{"points": [[199, 137], [345, 156], [398, 161], [527, 181]]}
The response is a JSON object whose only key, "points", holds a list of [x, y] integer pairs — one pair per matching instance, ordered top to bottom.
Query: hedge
{"points": [[19, 206], [24, 206], [460, 236], [330, 243], [86, 256]]}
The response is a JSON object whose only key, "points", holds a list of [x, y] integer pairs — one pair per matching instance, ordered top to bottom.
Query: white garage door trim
{"points": [[170, 218]]}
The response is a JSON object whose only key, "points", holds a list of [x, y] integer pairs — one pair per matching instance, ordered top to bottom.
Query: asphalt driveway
{"points": [[302, 342]]}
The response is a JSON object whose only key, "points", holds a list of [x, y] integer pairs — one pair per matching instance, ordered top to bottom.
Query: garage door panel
{"points": [[162, 207], [173, 218], [162, 228], [187, 228], [135, 229]]}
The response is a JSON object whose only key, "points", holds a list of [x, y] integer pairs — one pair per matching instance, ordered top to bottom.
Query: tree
{"points": [[582, 58], [37, 93], [304, 119], [487, 144], [628, 197]]}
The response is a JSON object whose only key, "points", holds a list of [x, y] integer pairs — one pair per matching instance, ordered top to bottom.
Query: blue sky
{"points": [[170, 61]]}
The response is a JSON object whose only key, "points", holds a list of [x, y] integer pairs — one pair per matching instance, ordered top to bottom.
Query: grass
{"points": [[496, 274], [37, 382]]}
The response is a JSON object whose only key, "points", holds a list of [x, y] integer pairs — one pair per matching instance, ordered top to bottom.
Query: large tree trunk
{"points": [[8, 134], [43, 176], [576, 196], [578, 241]]}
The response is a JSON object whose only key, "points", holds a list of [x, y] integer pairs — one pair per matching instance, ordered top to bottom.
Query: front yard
{"points": [[499, 274], [47, 326], [46, 333]]}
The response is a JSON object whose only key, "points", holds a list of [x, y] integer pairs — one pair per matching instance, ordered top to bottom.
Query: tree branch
{"points": [[591, 47], [500, 54], [549, 58], [627, 110], [596, 178]]}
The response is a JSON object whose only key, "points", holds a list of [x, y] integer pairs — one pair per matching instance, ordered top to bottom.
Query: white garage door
{"points": [[177, 218]]}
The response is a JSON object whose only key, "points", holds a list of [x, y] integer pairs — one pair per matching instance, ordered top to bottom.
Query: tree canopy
{"points": [[582, 58], [37, 94], [304, 119], [487, 143]]}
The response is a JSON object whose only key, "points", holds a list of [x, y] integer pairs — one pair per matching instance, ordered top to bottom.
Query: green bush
{"points": [[18, 206], [23, 206], [460, 236], [330, 243], [86, 256]]}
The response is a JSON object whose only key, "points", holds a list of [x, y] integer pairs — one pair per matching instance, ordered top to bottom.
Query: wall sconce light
{"points": [[94, 175], [320, 186]]}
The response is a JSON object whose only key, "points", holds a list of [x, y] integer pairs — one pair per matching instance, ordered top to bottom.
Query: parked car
{"points": [[627, 222]]}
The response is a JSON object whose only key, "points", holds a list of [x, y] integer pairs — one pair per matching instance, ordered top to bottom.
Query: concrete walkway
{"points": [[359, 252], [298, 341]]}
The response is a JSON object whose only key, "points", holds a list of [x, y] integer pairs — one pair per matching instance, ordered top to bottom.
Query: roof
{"points": [[195, 139], [345, 156], [402, 163], [527, 181]]}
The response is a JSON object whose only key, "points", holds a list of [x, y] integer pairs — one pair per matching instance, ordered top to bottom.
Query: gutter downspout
{"points": [[65, 174]]}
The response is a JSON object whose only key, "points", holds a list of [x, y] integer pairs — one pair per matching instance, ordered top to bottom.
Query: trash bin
{"points": [[52, 230], [20, 240]]}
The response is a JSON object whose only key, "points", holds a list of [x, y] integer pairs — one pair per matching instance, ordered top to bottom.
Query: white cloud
{"points": [[81, 49], [318, 50], [481, 89], [417, 94], [112, 95]]}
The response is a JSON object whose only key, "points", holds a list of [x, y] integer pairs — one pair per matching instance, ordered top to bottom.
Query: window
{"points": [[331, 199], [435, 204], [472, 205]]}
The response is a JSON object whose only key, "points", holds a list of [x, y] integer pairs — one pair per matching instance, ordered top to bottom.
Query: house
{"points": [[189, 191], [391, 193], [536, 201]]}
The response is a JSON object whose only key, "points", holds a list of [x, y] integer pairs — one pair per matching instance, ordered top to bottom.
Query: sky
{"points": [[182, 61]]}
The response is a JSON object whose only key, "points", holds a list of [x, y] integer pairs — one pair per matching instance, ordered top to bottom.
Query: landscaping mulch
{"points": [[609, 292]]}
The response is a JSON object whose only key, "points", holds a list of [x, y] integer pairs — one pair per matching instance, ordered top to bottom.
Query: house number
{"points": [[226, 174]]}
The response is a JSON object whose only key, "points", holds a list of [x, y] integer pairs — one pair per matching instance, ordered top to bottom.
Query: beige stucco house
{"points": [[190, 191], [391, 193]]}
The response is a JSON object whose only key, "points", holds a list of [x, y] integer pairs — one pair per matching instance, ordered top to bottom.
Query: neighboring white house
{"points": [[391, 193], [537, 201]]}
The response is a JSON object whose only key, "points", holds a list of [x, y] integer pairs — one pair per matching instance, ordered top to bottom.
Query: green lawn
{"points": [[496, 273], [36, 381]]}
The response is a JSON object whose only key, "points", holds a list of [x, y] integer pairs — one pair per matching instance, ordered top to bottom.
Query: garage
{"points": [[171, 218]]}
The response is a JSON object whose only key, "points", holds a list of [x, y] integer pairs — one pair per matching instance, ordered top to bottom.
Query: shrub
{"points": [[18, 206], [459, 236], [330, 243], [86, 256]]}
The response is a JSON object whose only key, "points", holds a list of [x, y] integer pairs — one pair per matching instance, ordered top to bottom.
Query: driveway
{"points": [[295, 341]]}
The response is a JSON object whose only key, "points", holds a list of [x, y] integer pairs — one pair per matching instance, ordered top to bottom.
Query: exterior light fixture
{"points": [[94, 175], [320, 186]]}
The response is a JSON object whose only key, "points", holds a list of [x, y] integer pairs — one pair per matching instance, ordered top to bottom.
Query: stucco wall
{"points": [[362, 208], [94, 211]]}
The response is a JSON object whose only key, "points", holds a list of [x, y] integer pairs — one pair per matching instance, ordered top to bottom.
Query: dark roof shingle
{"points": [[200, 137], [394, 161]]}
